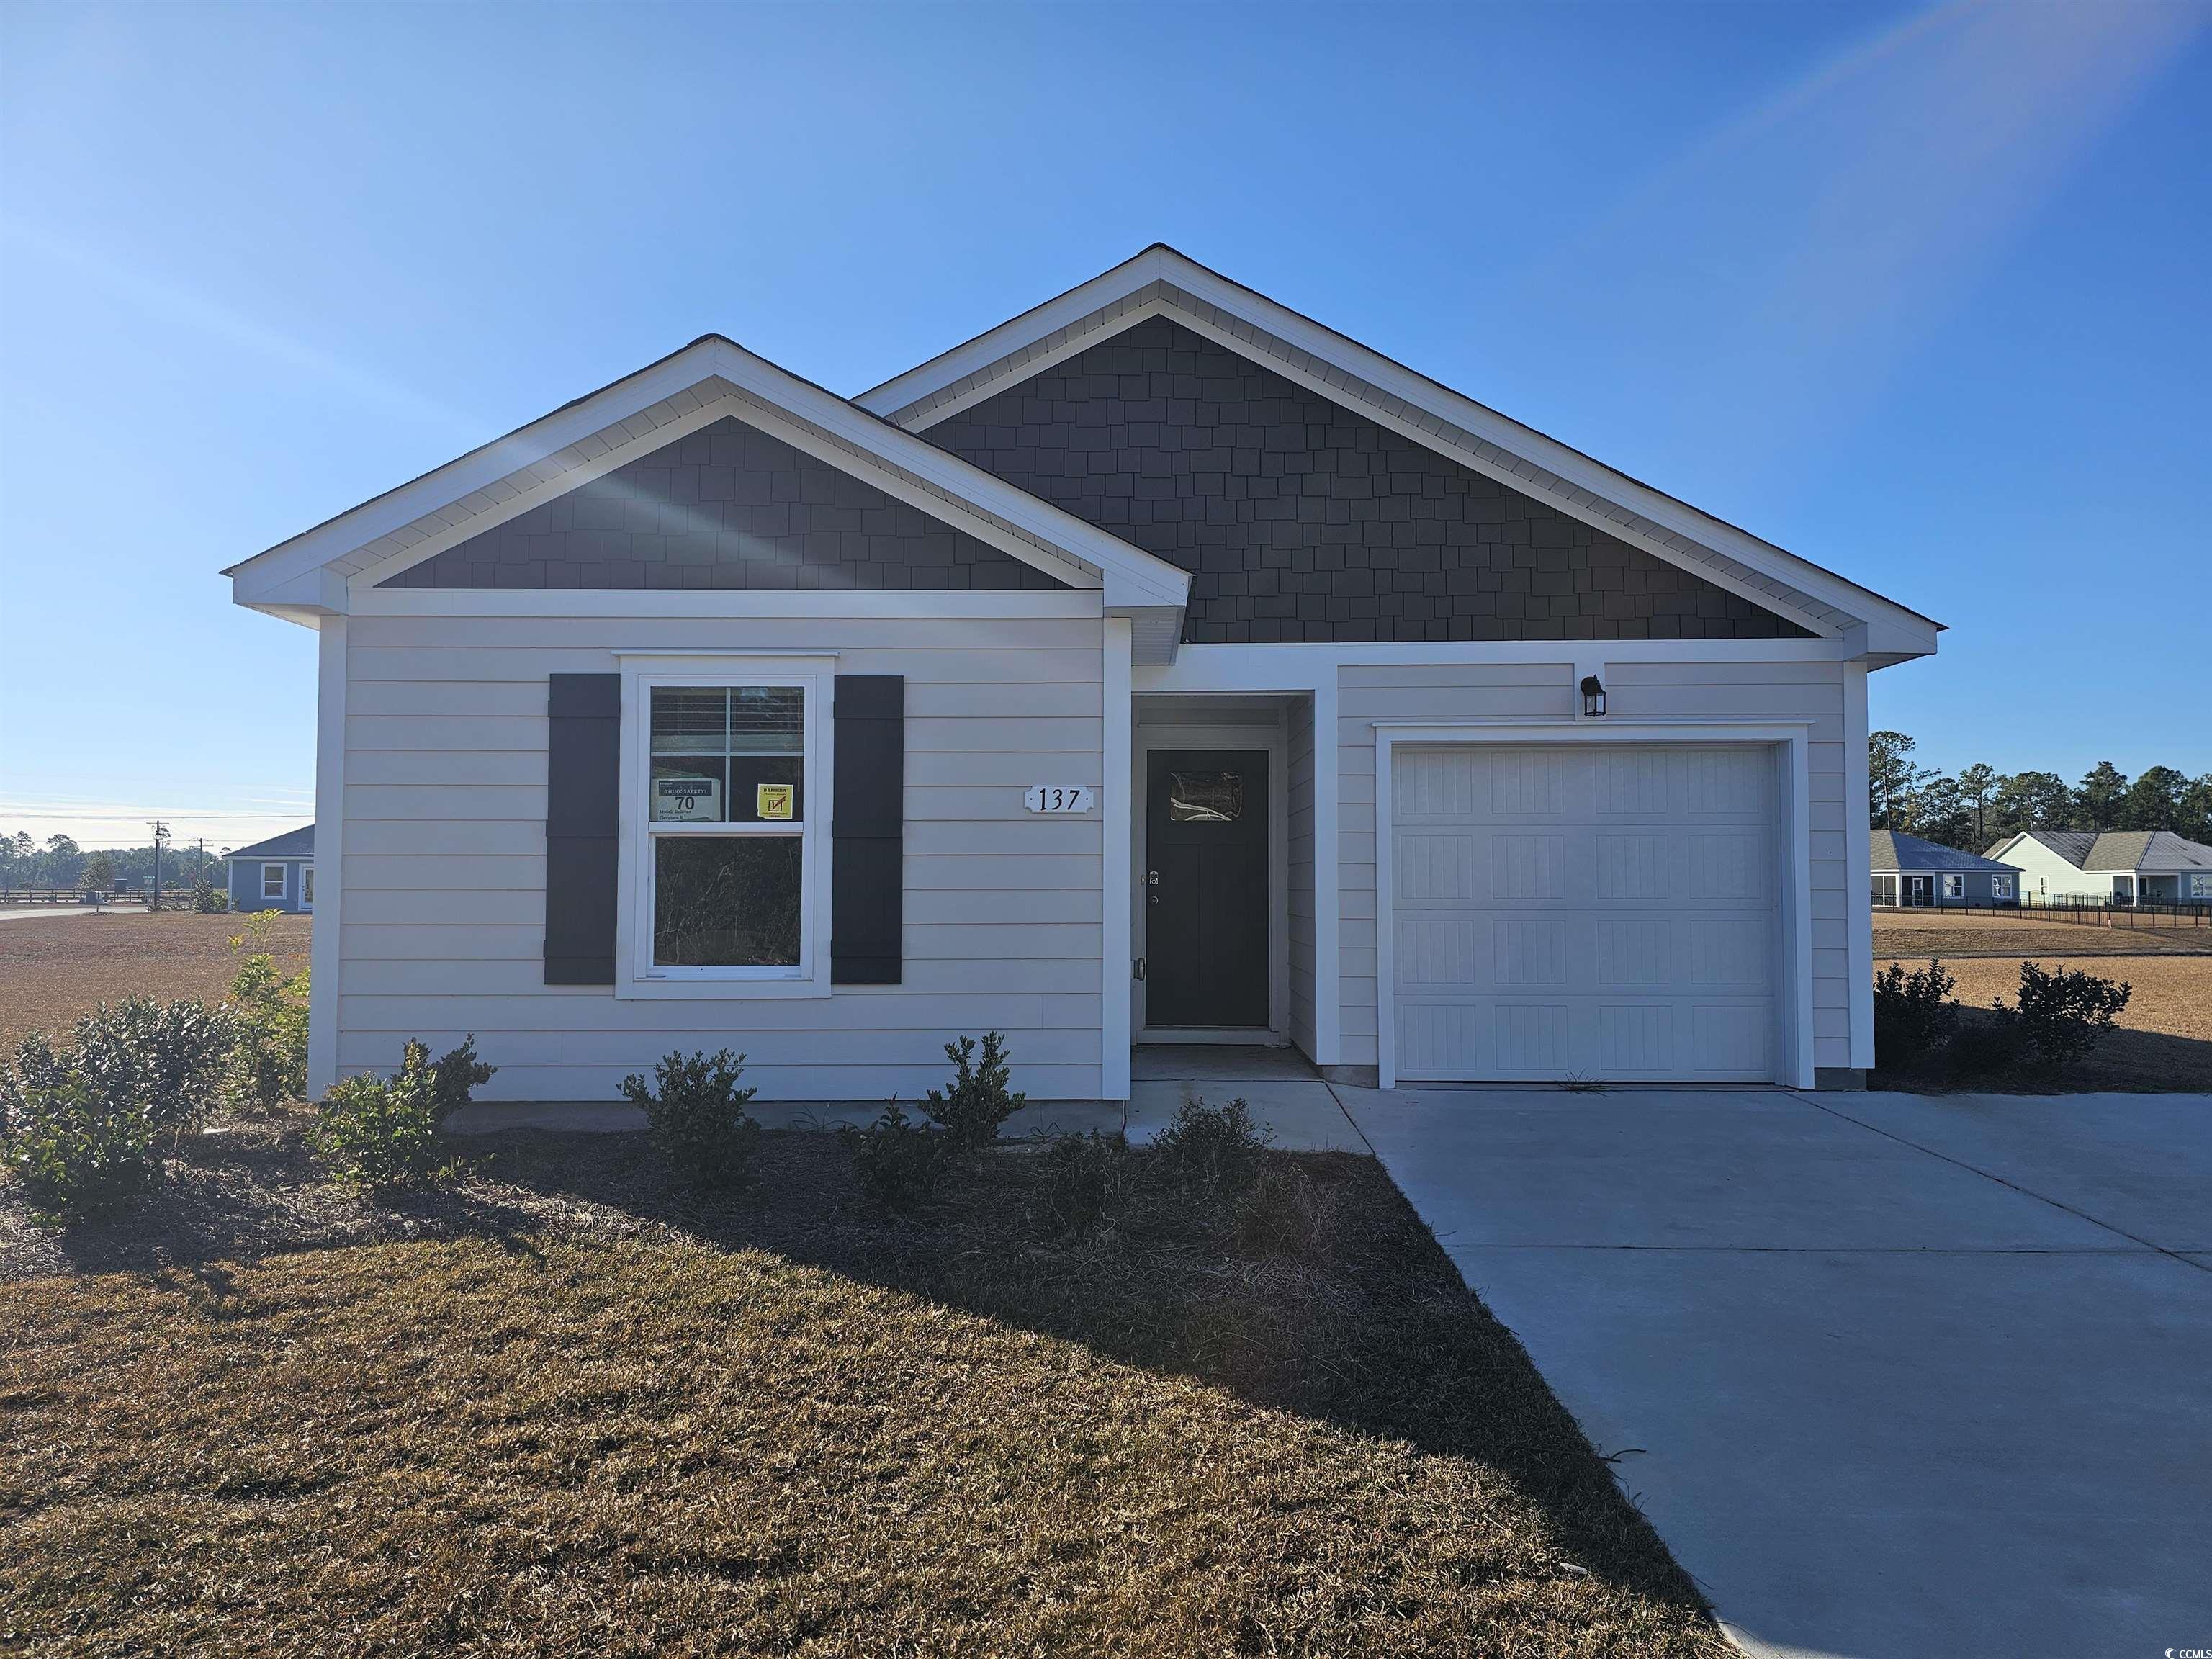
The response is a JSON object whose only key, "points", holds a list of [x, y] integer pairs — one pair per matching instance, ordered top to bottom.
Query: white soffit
{"points": [[1162, 282]]}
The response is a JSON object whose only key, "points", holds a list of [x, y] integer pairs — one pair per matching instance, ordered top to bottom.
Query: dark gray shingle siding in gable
{"points": [[727, 506], [1299, 519]]}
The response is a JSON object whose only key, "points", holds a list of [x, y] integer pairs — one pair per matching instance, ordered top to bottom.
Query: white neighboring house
{"points": [[1159, 665], [2118, 867]]}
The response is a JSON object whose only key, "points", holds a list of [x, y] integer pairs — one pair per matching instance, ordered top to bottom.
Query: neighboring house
{"points": [[1159, 665], [2118, 867], [1906, 871], [277, 874]]}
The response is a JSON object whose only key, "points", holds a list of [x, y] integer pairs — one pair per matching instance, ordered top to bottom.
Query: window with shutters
{"points": [[725, 823]]}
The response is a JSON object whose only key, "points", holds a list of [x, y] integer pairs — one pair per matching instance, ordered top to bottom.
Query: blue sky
{"points": [[1918, 293]]}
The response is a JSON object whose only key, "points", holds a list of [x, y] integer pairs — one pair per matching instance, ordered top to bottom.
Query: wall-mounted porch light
{"points": [[1593, 697]]}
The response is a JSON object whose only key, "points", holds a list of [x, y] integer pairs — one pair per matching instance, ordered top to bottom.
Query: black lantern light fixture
{"points": [[1593, 697]]}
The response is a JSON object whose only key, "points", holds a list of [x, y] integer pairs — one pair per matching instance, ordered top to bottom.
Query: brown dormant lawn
{"points": [[1916, 935], [54, 968], [588, 1410]]}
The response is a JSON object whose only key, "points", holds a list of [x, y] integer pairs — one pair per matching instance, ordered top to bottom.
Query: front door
{"points": [[1205, 889], [1919, 890]]}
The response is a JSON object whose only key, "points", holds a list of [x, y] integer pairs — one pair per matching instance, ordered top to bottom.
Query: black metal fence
{"points": [[2103, 910]]}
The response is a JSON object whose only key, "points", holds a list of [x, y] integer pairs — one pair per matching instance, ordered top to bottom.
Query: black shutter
{"points": [[583, 764], [867, 839]]}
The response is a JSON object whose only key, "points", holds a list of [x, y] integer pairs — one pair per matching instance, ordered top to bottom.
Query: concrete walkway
{"points": [[1893, 1375]]}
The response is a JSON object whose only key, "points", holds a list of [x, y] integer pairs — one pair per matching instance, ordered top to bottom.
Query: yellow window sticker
{"points": [[772, 801]]}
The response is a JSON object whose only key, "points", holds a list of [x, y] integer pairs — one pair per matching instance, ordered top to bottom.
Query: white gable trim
{"points": [[1160, 281], [713, 377]]}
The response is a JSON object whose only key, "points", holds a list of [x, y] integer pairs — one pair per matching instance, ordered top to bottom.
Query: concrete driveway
{"points": [[1894, 1375]]}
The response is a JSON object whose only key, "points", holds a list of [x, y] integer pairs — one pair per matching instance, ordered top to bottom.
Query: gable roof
{"points": [[1162, 280], [313, 574], [292, 844], [1893, 850], [2154, 851]]}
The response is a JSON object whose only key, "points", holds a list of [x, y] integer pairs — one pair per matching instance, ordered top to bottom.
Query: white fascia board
{"points": [[1013, 335], [1130, 576], [1903, 633]]}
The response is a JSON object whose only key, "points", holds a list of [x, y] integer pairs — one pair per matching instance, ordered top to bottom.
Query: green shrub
{"points": [[209, 899], [1913, 1013], [2065, 1014], [1985, 1048], [166, 1059], [269, 1061], [696, 1112], [971, 1112], [377, 1132], [78, 1148], [1213, 1151], [896, 1160], [1085, 1182], [1286, 1211]]}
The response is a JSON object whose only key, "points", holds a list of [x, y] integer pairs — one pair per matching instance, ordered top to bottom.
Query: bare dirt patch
{"points": [[1916, 935], [55, 969], [2165, 1039], [607, 1412]]}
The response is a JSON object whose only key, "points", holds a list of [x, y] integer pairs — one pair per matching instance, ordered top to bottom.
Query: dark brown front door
{"points": [[1205, 888]]}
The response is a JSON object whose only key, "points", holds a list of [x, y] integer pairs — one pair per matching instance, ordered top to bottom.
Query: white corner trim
{"points": [[1793, 736], [1327, 807], [1858, 860], [325, 960], [1116, 1030]]}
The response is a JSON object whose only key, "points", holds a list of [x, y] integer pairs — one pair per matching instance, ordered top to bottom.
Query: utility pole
{"points": [[160, 837]]}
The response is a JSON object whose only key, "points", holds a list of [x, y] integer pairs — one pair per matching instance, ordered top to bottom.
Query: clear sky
{"points": [[1918, 293]]}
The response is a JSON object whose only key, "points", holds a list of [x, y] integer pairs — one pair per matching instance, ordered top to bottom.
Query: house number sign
{"points": [[1057, 797]]}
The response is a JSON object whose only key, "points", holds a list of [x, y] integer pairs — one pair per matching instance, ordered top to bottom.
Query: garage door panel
{"points": [[1440, 866], [1528, 867], [1585, 913], [1442, 952]]}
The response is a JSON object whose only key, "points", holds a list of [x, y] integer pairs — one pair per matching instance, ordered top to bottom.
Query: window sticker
{"points": [[1205, 796], [687, 800], [772, 801]]}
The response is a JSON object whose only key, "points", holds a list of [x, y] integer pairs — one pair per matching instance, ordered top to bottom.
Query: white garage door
{"points": [[1571, 912]]}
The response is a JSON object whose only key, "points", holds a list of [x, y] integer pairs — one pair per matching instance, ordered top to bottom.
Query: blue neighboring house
{"points": [[1912, 873], [277, 874]]}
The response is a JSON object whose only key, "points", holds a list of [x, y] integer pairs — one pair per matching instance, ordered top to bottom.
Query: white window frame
{"points": [[283, 882], [2000, 886], [2200, 886], [1884, 887], [1954, 887], [638, 974]]}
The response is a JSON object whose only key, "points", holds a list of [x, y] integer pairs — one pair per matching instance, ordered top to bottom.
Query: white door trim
{"points": [[1791, 739], [1273, 740]]}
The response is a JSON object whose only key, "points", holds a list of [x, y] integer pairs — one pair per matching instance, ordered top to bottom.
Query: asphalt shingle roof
{"points": [[292, 844], [1892, 850], [2158, 851]]}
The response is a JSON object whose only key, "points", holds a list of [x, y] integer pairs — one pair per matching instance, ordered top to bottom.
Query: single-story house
{"points": [[1157, 665], [2116, 866], [1906, 870], [277, 874]]}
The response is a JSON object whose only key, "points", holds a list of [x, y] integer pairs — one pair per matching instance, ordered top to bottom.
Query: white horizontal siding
{"points": [[1812, 691], [444, 868]]}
